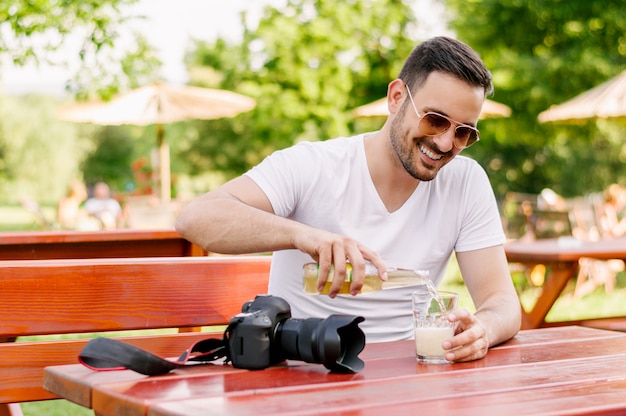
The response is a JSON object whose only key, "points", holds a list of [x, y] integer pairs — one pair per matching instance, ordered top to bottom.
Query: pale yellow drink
{"points": [[371, 283], [431, 325], [428, 340]]}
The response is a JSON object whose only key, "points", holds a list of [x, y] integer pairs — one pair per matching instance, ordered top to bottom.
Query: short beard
{"points": [[404, 152]]}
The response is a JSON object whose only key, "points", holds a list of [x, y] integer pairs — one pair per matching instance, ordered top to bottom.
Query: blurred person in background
{"points": [[104, 207], [69, 209], [613, 211]]}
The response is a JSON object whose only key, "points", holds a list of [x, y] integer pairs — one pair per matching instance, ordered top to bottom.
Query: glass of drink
{"points": [[432, 328]]}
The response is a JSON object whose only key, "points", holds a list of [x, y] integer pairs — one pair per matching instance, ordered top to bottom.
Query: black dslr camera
{"points": [[265, 334]]}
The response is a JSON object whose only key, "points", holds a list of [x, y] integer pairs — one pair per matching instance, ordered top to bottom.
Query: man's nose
{"points": [[445, 141]]}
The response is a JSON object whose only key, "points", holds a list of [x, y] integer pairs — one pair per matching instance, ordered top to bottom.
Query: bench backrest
{"points": [[43, 245], [42, 297]]}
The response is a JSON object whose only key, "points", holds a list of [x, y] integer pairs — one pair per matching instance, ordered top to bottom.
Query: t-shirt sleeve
{"points": [[282, 176]]}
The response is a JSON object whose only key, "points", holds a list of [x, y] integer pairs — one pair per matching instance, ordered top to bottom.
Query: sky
{"points": [[170, 25]]}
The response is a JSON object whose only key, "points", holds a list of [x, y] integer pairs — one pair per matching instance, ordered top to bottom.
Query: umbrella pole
{"points": [[164, 165]]}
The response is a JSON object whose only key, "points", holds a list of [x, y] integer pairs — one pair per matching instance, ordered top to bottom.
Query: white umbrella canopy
{"points": [[607, 100], [160, 104], [378, 108]]}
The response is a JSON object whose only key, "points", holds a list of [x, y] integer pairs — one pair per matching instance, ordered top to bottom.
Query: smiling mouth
{"points": [[432, 155]]}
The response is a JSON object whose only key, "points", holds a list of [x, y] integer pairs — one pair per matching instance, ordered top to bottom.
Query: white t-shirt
{"points": [[327, 185], [99, 206]]}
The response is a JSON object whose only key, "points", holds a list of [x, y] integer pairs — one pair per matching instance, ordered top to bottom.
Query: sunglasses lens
{"points": [[433, 124], [465, 136]]}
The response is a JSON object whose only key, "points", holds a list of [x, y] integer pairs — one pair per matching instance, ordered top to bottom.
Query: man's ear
{"points": [[396, 94]]}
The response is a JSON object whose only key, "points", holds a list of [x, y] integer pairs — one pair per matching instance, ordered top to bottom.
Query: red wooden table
{"points": [[39, 245], [561, 256], [561, 370]]}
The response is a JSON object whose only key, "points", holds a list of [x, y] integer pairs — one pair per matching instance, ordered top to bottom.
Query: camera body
{"points": [[252, 331], [264, 334]]}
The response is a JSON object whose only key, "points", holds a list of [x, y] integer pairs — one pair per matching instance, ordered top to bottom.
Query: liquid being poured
{"points": [[434, 293], [432, 327]]}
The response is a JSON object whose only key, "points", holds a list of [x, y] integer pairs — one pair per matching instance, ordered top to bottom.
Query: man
{"points": [[397, 197]]}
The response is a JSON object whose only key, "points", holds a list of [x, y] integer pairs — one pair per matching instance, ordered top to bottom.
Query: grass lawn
{"points": [[17, 218], [54, 408]]}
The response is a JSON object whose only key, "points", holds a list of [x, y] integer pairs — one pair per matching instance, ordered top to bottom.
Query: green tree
{"points": [[34, 30], [543, 53], [307, 64], [32, 142], [38, 153], [111, 159]]}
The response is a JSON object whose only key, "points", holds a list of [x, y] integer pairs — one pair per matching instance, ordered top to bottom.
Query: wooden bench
{"points": [[95, 244], [84, 296]]}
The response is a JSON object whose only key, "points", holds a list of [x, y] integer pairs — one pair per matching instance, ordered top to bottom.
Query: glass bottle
{"points": [[396, 277]]}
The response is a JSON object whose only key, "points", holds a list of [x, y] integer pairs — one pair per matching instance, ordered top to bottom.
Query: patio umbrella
{"points": [[607, 100], [160, 104], [378, 108]]}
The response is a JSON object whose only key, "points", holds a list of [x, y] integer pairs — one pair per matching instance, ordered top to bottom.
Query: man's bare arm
{"points": [[238, 218], [487, 277], [498, 311]]}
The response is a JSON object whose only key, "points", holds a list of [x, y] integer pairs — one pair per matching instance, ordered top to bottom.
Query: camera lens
{"points": [[334, 342]]}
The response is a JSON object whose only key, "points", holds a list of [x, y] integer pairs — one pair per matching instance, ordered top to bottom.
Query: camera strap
{"points": [[106, 354]]}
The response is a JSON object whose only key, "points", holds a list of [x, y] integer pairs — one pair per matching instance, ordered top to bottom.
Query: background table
{"points": [[40, 245], [561, 256], [543, 371]]}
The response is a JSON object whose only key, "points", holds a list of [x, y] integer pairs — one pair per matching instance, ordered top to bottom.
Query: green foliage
{"points": [[55, 20], [35, 29], [543, 53], [310, 61], [307, 64], [104, 79], [40, 154], [111, 160], [5, 170]]}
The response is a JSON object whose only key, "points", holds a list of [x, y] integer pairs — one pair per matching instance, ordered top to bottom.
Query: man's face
{"points": [[422, 156]]}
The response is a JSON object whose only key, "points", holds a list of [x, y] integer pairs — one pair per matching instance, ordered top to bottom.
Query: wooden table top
{"points": [[564, 249], [561, 370]]}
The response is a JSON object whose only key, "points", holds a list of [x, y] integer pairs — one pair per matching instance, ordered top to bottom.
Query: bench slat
{"points": [[61, 296], [43, 297]]}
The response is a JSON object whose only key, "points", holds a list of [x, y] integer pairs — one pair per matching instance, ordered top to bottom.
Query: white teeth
{"points": [[430, 154]]}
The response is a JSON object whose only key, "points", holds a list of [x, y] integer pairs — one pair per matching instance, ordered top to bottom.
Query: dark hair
{"points": [[448, 56]]}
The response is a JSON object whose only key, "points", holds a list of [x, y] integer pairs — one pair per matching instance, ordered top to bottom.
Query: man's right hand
{"points": [[330, 249]]}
